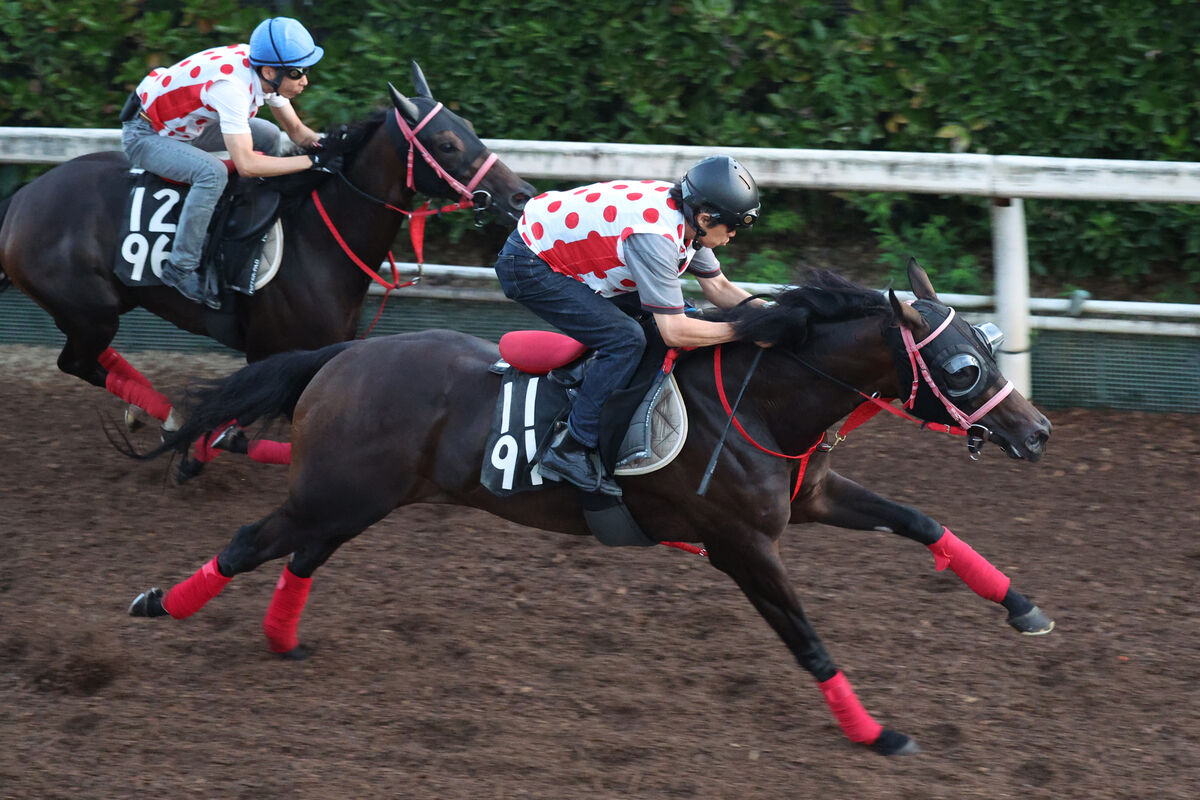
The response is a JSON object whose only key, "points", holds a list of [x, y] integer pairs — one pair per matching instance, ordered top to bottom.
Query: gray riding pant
{"points": [[191, 162]]}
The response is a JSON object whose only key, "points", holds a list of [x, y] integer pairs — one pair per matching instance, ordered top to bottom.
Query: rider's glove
{"points": [[325, 161]]}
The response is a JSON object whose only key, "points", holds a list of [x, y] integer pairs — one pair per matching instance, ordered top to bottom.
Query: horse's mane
{"points": [[354, 136], [295, 188], [827, 298]]}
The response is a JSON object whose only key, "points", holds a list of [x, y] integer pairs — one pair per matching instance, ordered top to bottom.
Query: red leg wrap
{"points": [[112, 361], [141, 395], [202, 450], [265, 452], [975, 570], [189, 596], [283, 616], [854, 719]]}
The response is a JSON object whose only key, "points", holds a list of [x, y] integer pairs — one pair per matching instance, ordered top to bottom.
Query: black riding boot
{"points": [[188, 284], [569, 460]]}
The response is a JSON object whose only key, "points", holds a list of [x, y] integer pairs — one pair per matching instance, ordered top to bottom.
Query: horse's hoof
{"points": [[134, 419], [173, 422], [232, 439], [186, 469], [148, 604], [1033, 622], [297, 653], [894, 743]]}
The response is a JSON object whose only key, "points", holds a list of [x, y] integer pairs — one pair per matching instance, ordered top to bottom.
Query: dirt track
{"points": [[458, 656]]}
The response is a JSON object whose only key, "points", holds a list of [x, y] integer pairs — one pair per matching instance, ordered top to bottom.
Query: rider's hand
{"points": [[326, 152], [325, 161]]}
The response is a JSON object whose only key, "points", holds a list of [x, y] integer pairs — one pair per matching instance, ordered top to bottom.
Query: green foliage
{"points": [[72, 64], [1033, 77], [925, 232], [760, 265]]}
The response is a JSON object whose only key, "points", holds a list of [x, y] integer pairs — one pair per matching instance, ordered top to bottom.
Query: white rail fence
{"points": [[1007, 180]]}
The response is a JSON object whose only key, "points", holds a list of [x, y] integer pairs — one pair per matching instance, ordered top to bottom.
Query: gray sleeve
{"points": [[654, 263], [704, 264]]}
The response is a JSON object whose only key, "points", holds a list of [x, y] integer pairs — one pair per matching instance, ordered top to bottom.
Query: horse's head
{"points": [[446, 157], [953, 375]]}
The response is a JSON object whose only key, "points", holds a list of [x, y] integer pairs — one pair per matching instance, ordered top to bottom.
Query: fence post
{"points": [[1011, 263]]}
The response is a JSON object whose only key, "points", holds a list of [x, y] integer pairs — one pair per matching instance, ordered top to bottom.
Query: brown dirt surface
{"points": [[459, 656]]}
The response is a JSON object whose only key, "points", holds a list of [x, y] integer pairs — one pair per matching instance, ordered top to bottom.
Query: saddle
{"points": [[245, 237], [540, 372], [643, 427]]}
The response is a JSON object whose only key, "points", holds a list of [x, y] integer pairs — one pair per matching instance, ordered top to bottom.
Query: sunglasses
{"points": [[295, 73]]}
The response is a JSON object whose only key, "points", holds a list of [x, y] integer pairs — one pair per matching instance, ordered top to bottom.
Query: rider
{"points": [[208, 102], [574, 251]]}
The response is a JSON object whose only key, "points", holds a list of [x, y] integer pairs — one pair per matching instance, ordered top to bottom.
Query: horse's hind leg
{"points": [[88, 354], [233, 439], [842, 502], [311, 530], [274, 536], [757, 569], [282, 621]]}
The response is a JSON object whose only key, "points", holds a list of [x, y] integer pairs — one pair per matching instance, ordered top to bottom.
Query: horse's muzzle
{"points": [[518, 199], [483, 202], [1035, 443], [1032, 447]]}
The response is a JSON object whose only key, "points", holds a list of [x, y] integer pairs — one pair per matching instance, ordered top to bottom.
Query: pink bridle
{"points": [[414, 144], [417, 217], [916, 360]]}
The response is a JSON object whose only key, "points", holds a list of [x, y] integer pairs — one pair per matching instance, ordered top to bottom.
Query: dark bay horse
{"points": [[59, 239], [834, 343]]}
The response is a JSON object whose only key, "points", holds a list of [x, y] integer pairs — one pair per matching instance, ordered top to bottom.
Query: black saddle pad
{"points": [[243, 216], [527, 407]]}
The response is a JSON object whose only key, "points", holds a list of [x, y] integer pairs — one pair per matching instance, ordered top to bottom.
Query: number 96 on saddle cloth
{"points": [[247, 252]]}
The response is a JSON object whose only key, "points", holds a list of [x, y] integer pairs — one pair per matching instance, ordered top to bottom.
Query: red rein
{"points": [[416, 224], [801, 457]]}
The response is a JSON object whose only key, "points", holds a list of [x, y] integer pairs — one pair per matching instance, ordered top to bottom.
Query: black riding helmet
{"points": [[722, 187]]}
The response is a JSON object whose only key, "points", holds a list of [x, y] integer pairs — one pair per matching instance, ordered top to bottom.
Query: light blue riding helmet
{"points": [[283, 42]]}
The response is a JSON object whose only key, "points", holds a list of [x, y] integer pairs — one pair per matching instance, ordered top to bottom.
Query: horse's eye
{"points": [[447, 147], [962, 374]]}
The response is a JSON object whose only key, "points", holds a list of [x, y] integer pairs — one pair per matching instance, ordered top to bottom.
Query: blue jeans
{"points": [[188, 162], [577, 311]]}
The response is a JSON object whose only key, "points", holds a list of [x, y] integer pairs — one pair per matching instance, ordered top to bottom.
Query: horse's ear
{"points": [[419, 82], [405, 106], [918, 278], [904, 314]]}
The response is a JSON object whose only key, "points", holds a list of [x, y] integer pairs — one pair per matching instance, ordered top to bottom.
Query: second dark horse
{"points": [[59, 237]]}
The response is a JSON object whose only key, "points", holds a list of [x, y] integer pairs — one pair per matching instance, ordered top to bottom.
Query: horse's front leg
{"points": [[839, 501], [757, 569]]}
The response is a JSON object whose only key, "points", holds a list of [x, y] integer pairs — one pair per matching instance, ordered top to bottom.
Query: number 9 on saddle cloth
{"points": [[244, 244], [643, 427]]}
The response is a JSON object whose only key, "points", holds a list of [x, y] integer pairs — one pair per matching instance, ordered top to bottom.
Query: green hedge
{"points": [[1053, 78]]}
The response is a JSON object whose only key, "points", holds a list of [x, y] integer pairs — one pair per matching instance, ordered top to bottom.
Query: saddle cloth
{"points": [[248, 249], [529, 405]]}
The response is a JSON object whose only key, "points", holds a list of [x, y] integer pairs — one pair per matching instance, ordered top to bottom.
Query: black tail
{"points": [[5, 282], [261, 391]]}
